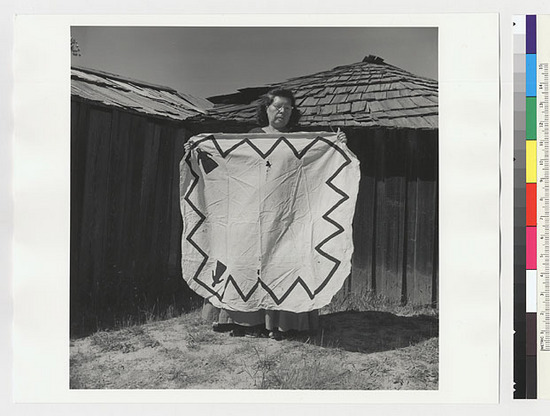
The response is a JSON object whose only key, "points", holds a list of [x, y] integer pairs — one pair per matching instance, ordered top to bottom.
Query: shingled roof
{"points": [[364, 94], [133, 95]]}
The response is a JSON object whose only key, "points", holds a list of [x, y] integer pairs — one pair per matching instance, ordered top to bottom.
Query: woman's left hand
{"points": [[341, 136], [187, 145]]}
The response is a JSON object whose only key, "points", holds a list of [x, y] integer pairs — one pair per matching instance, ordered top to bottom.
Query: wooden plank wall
{"points": [[125, 219], [126, 224], [395, 228]]}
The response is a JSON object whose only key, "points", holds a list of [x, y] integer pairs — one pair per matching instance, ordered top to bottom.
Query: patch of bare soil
{"points": [[353, 350]]}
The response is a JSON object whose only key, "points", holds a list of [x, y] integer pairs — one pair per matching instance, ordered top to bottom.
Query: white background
{"points": [[472, 155]]}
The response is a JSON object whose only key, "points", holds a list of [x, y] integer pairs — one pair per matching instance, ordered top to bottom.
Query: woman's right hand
{"points": [[187, 145]]}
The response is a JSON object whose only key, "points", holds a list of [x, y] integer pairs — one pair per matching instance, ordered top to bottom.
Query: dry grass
{"points": [[366, 300], [360, 350]]}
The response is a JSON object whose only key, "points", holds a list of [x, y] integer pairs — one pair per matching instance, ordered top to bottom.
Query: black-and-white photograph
{"points": [[254, 208]]}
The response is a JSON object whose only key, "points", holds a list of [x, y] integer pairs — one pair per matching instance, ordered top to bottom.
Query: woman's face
{"points": [[279, 111]]}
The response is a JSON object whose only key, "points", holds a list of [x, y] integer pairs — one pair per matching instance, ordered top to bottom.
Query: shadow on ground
{"points": [[370, 332]]}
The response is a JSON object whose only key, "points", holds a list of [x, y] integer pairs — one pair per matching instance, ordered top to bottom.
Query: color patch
{"points": [[531, 32], [531, 75], [531, 118], [531, 161], [531, 204], [531, 248], [531, 291], [531, 344]]}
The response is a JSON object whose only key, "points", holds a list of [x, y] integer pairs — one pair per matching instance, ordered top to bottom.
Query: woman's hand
{"points": [[341, 136], [187, 145]]}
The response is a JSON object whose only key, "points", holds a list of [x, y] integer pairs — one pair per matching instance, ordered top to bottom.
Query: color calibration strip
{"points": [[531, 204], [531, 207], [520, 362]]}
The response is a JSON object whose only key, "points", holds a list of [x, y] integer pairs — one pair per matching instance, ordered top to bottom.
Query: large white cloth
{"points": [[267, 219]]}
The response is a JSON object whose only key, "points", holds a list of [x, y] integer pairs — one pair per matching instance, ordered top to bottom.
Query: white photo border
{"points": [[468, 210]]}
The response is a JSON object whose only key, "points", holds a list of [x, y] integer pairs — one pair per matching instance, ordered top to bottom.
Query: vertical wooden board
{"points": [[79, 133], [79, 139], [362, 143], [434, 144], [78, 147], [431, 150], [121, 151], [428, 156], [86, 170], [379, 172], [117, 186], [113, 188], [391, 189], [148, 190], [95, 198], [159, 201], [163, 207], [171, 208], [132, 212], [410, 214], [422, 214], [176, 225], [74, 228], [394, 237], [427, 238], [412, 239], [142, 246], [422, 258], [435, 266], [379, 272], [361, 277], [80, 279], [125, 288], [117, 290], [107, 304]]}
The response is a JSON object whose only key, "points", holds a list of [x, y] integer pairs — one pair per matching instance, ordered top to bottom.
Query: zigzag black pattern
{"points": [[326, 217], [202, 218], [238, 289]]}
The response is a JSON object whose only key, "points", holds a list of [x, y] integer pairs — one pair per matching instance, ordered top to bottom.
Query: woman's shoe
{"points": [[217, 327], [237, 332], [256, 332], [276, 335]]}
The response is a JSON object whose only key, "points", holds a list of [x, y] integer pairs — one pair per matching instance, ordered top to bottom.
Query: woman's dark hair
{"points": [[267, 99]]}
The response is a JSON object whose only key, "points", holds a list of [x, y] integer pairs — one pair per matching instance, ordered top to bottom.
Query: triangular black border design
{"points": [[326, 217]]}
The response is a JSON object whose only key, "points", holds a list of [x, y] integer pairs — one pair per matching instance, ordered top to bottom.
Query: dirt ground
{"points": [[353, 350]]}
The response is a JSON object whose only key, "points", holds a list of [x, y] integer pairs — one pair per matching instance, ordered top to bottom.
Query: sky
{"points": [[208, 61]]}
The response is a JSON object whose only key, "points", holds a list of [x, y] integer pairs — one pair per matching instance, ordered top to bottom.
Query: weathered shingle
{"points": [[115, 91], [367, 93]]}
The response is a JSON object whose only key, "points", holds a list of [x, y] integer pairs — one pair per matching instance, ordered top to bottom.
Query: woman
{"points": [[276, 113]]}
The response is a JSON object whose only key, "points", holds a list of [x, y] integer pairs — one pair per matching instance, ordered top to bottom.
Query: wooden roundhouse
{"points": [[391, 119]]}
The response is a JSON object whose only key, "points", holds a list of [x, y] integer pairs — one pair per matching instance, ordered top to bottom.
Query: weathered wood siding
{"points": [[125, 219], [395, 228]]}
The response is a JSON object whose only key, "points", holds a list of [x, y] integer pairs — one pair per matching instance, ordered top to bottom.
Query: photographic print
{"points": [[254, 208]]}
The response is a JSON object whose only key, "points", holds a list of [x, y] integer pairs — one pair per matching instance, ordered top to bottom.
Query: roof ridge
{"points": [[404, 71], [122, 78]]}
